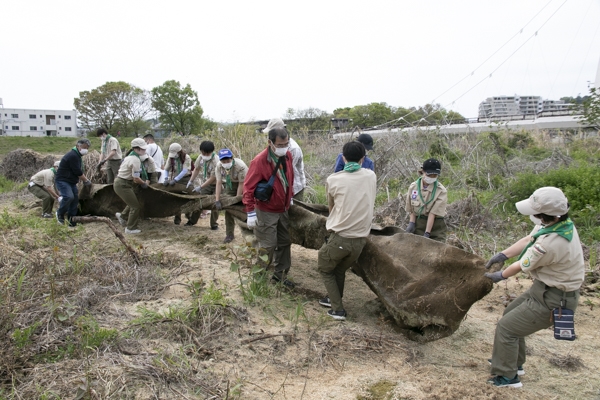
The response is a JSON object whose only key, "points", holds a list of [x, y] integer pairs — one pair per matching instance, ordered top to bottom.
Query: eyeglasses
{"points": [[281, 145]]}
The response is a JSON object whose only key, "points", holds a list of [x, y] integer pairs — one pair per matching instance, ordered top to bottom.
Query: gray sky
{"points": [[255, 59]]}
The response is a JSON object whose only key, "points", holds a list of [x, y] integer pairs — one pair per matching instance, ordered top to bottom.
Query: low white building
{"points": [[28, 122]]}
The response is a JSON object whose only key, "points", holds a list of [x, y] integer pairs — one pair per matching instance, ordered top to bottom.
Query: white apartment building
{"points": [[518, 106], [28, 122]]}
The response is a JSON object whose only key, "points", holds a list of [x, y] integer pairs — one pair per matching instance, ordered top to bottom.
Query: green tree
{"points": [[115, 106], [179, 108], [591, 109], [371, 115], [308, 119]]}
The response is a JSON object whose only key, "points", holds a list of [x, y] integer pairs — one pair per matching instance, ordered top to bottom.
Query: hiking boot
{"points": [[46, 215], [120, 219], [60, 220], [71, 223], [189, 223], [214, 227], [132, 231], [228, 239], [287, 283], [325, 302], [338, 315], [520, 370], [502, 381]]}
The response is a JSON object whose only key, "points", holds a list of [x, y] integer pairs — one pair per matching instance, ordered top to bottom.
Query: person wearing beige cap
{"points": [[178, 169], [132, 175], [41, 185], [553, 256]]}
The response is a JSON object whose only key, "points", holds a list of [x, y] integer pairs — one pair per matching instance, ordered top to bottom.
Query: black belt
{"points": [[557, 290]]}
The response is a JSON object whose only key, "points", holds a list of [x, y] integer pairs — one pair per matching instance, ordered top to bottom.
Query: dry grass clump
{"points": [[20, 165], [566, 362]]}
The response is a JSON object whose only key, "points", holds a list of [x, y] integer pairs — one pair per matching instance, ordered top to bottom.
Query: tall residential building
{"points": [[519, 106], [27, 122]]}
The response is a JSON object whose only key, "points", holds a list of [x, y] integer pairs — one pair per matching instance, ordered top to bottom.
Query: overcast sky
{"points": [[255, 59]]}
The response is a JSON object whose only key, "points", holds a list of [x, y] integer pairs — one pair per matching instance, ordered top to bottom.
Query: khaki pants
{"points": [[112, 170], [125, 190], [47, 199], [229, 221], [438, 231], [274, 240], [335, 257], [527, 314]]}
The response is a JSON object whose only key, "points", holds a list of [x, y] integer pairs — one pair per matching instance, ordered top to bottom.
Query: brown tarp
{"points": [[426, 286]]}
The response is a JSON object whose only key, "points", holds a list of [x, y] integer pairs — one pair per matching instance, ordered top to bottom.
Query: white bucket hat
{"points": [[174, 148], [546, 200]]}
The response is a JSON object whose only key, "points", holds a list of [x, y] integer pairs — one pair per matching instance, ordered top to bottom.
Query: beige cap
{"points": [[274, 123], [138, 142], [174, 148], [56, 163], [547, 200]]}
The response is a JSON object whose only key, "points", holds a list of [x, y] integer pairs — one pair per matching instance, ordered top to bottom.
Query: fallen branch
{"points": [[112, 226], [261, 337]]}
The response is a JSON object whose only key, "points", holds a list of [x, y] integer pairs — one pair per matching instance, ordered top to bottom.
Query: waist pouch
{"points": [[264, 189], [564, 324]]}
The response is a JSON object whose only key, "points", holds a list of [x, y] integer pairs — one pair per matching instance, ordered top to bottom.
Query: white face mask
{"points": [[83, 151], [280, 152], [144, 157], [206, 158], [226, 165], [429, 180], [535, 220]]}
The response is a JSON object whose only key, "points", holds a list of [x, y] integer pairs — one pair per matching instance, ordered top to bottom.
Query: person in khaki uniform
{"points": [[111, 154], [206, 165], [177, 170], [230, 172], [132, 174], [153, 175], [41, 185], [351, 197], [426, 203], [553, 256]]}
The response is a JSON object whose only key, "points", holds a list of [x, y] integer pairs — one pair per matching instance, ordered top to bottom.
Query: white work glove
{"points": [[188, 184], [59, 199], [291, 201], [252, 219]]}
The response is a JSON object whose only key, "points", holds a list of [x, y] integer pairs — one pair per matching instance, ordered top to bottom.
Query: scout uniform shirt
{"points": [[110, 144], [129, 166], [173, 166], [207, 168], [237, 173], [44, 178], [421, 205], [555, 261]]}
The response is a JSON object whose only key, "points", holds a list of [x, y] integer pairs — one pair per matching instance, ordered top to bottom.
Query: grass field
{"points": [[51, 145]]}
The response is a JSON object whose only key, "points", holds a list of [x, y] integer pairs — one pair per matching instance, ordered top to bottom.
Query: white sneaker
{"points": [[121, 220], [133, 231]]}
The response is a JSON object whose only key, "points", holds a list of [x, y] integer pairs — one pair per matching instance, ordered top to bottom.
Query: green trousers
{"points": [[112, 170], [125, 190], [47, 199], [229, 220], [438, 231], [274, 240], [335, 257], [528, 313]]}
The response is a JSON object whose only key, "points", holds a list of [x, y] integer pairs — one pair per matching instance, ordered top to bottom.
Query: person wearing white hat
{"points": [[132, 175], [41, 185], [552, 255]]}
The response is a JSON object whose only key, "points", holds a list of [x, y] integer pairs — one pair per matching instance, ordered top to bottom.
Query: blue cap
{"points": [[225, 153]]}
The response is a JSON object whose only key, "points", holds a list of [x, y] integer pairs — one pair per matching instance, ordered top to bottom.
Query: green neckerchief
{"points": [[105, 144], [81, 158], [206, 164], [351, 166], [53, 170], [281, 171], [144, 174], [228, 183], [421, 196], [562, 228]]}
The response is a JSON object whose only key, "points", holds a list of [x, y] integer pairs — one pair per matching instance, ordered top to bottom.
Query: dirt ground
{"points": [[311, 356]]}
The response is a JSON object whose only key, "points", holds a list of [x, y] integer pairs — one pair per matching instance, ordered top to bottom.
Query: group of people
{"points": [[551, 253]]}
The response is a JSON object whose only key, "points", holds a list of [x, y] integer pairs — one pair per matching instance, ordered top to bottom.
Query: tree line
{"points": [[128, 109]]}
